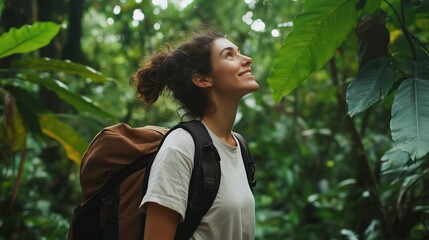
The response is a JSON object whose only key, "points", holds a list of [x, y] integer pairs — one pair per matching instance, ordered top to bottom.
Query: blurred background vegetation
{"points": [[339, 128]]}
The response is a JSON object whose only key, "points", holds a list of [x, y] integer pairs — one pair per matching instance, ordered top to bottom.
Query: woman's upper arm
{"points": [[166, 197], [161, 222]]}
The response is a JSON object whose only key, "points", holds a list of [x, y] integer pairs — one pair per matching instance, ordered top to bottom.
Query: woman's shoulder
{"points": [[179, 140]]}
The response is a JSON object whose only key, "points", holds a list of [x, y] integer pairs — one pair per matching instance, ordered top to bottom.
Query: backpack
{"points": [[114, 175]]}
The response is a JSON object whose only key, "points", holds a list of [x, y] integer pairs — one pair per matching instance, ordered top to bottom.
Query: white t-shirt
{"points": [[232, 215]]}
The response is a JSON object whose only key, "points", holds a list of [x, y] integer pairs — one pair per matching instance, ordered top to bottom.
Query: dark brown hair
{"points": [[173, 69]]}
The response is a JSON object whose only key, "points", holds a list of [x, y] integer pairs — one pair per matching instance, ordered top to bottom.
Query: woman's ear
{"points": [[202, 81]]}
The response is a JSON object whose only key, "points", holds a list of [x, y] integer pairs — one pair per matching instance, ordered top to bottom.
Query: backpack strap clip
{"points": [[208, 166], [106, 198]]}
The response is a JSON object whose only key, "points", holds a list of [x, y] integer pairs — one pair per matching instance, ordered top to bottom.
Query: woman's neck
{"points": [[220, 121]]}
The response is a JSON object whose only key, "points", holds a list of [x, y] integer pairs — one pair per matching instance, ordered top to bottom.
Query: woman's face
{"points": [[231, 72]]}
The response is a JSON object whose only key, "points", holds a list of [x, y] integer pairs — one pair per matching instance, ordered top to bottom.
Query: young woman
{"points": [[208, 76]]}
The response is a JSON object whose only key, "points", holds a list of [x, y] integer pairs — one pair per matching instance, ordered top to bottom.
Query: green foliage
{"points": [[371, 6], [318, 31], [27, 38], [67, 67], [403, 74], [371, 85], [64, 93], [28, 107], [410, 114], [26, 122], [74, 145], [321, 174], [34, 214]]}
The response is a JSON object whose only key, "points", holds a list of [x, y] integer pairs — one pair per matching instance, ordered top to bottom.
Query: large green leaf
{"points": [[317, 33], [27, 38], [61, 66], [371, 84], [79, 102], [410, 114], [74, 145]]}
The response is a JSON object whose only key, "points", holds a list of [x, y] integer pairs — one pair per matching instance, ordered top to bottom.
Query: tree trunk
{"points": [[73, 49]]}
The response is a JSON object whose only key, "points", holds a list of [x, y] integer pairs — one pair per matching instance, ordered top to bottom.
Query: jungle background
{"points": [[339, 128]]}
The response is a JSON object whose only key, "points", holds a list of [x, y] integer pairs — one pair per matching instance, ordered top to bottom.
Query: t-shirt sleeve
{"points": [[171, 173]]}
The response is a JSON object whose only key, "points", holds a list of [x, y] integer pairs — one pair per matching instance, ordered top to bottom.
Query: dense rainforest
{"points": [[339, 128]]}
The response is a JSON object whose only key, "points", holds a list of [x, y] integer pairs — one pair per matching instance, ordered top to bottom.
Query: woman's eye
{"points": [[229, 54]]}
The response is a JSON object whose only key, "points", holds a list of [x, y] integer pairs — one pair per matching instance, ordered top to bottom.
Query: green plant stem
{"points": [[407, 34], [359, 148], [19, 176]]}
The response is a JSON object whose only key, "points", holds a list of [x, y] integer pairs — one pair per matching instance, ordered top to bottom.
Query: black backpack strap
{"points": [[249, 164], [119, 176], [205, 179], [110, 194]]}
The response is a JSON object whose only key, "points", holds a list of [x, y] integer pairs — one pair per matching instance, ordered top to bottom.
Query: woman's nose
{"points": [[246, 60]]}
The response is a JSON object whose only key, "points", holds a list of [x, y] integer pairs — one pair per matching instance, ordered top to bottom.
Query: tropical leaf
{"points": [[371, 6], [317, 33], [27, 38], [67, 67], [371, 84], [81, 103], [28, 107], [410, 114], [13, 131], [16, 133], [74, 145], [393, 160], [403, 172], [410, 182]]}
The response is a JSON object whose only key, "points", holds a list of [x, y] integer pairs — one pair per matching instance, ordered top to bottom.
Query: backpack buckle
{"points": [[209, 183], [253, 184]]}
